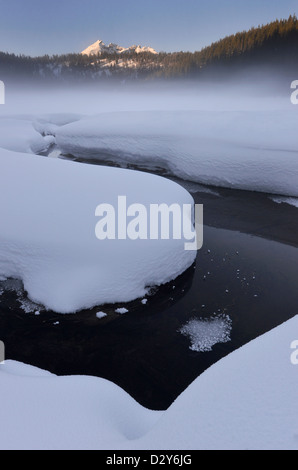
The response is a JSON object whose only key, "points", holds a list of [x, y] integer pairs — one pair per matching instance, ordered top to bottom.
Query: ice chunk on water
{"points": [[292, 201], [15, 285], [28, 306], [122, 311], [101, 315], [205, 333]]}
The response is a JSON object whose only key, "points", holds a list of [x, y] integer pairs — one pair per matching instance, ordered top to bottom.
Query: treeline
{"points": [[272, 37], [274, 44], [271, 45]]}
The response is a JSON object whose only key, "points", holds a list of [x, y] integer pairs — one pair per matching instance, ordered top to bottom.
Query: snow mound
{"points": [[19, 135], [250, 150], [47, 236], [43, 411]]}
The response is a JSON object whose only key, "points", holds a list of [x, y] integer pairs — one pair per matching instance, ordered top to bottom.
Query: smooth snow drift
{"points": [[47, 236], [248, 400]]}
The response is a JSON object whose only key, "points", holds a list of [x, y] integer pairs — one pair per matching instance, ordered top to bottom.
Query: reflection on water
{"points": [[205, 333]]}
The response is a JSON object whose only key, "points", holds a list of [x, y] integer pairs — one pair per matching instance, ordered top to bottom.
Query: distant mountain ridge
{"points": [[272, 47], [99, 48]]}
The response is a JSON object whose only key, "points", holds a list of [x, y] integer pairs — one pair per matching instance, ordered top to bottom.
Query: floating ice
{"points": [[293, 201], [122, 311], [101, 315], [205, 333]]}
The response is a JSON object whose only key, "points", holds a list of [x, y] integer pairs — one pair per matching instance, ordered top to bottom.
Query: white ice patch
{"points": [[55, 153], [193, 187], [292, 201], [12, 285], [15, 285], [28, 306], [121, 311], [101, 315], [205, 333]]}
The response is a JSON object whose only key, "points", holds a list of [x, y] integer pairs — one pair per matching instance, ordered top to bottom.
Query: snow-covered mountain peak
{"points": [[99, 47]]}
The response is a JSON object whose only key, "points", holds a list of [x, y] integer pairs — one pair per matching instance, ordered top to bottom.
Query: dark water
{"points": [[243, 284]]}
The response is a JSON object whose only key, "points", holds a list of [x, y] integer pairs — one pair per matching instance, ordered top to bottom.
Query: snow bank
{"points": [[47, 124], [19, 135], [252, 150], [47, 235], [248, 400], [42, 411]]}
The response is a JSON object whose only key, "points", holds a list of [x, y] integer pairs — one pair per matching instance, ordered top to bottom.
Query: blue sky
{"points": [[37, 27]]}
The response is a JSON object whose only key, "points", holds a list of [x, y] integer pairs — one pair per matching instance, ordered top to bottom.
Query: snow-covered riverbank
{"points": [[252, 150], [248, 400]]}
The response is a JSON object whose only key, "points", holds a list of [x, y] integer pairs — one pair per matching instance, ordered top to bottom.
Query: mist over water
{"points": [[246, 91]]}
